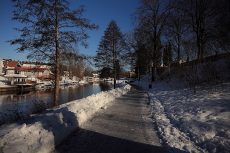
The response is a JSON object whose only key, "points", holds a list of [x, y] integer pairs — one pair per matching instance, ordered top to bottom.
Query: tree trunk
{"points": [[178, 50], [154, 54], [57, 61], [114, 65], [153, 73], [115, 74]]}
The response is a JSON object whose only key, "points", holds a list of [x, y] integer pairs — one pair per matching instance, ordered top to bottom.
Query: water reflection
{"points": [[66, 94]]}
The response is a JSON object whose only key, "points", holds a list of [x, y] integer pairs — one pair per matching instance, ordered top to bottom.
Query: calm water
{"points": [[66, 94]]}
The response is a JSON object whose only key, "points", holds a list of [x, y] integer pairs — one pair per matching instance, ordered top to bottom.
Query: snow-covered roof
{"points": [[30, 65], [10, 68], [15, 76]]}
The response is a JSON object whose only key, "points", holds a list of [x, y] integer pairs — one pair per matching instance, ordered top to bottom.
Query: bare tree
{"points": [[202, 15], [150, 18], [177, 25], [222, 25], [49, 26], [131, 46], [138, 55]]}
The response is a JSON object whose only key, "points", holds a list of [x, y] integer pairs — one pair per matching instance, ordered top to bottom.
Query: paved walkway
{"points": [[124, 127]]}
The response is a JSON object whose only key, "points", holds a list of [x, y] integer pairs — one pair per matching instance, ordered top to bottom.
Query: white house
{"points": [[11, 67], [34, 70], [14, 79]]}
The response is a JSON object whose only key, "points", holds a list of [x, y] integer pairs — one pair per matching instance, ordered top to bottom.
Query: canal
{"points": [[21, 101]]}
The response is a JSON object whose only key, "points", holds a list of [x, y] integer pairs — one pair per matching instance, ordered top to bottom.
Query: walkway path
{"points": [[124, 127]]}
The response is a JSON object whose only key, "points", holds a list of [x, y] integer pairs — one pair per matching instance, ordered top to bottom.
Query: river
{"points": [[20, 101]]}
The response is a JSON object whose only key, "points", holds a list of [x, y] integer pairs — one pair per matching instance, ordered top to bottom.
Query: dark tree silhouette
{"points": [[150, 19], [111, 49], [167, 55]]}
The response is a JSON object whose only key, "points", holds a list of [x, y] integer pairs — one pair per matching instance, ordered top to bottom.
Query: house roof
{"points": [[12, 64]]}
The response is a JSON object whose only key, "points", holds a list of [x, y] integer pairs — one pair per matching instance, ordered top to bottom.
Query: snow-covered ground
{"points": [[3, 82], [186, 121], [190, 122], [43, 131]]}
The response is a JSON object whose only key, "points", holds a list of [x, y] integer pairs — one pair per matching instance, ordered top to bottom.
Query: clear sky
{"points": [[100, 12]]}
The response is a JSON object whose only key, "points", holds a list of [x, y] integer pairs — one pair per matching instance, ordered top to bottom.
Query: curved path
{"points": [[124, 126]]}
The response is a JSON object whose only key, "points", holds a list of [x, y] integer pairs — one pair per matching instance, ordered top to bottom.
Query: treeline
{"points": [[163, 30], [176, 30], [166, 32], [75, 64]]}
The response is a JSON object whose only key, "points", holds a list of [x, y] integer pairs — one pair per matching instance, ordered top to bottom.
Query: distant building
{"points": [[11, 67], [29, 70], [35, 71], [132, 74], [95, 75], [14, 79], [88, 79], [91, 79]]}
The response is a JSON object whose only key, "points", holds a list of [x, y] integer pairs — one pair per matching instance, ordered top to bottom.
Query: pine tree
{"points": [[111, 49]]}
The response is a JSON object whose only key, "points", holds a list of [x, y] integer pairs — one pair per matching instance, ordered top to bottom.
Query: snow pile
{"points": [[2, 81], [191, 122], [49, 128]]}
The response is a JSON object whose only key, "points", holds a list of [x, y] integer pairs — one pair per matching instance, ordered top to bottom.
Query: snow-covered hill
{"points": [[191, 122]]}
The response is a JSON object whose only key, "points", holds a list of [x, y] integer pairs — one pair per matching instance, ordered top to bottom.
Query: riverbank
{"points": [[19, 87], [4, 88], [18, 105], [43, 131]]}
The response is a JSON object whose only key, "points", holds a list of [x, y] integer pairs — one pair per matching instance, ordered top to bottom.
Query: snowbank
{"points": [[3, 82], [190, 122], [49, 128]]}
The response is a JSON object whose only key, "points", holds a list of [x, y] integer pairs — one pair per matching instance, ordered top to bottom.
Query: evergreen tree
{"points": [[111, 49], [105, 72]]}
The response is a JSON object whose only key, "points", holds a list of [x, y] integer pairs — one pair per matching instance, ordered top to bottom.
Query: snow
{"points": [[15, 76], [3, 82], [187, 121], [44, 131]]}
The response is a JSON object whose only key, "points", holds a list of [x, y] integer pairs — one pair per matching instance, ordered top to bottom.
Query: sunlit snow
{"points": [[49, 128]]}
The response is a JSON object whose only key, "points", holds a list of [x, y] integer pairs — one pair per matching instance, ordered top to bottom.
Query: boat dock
{"points": [[17, 87]]}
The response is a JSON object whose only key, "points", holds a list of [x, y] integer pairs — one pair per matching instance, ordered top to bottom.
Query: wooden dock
{"points": [[18, 87]]}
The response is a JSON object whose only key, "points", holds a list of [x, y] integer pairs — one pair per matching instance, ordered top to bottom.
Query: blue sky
{"points": [[100, 12]]}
